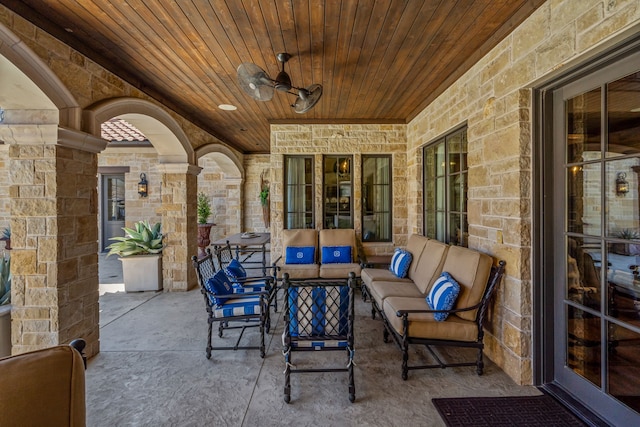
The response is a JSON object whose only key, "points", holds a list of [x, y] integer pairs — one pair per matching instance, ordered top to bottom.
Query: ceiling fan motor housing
{"points": [[283, 81]]}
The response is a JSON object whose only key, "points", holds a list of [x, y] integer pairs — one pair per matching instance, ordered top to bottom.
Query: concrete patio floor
{"points": [[152, 370]]}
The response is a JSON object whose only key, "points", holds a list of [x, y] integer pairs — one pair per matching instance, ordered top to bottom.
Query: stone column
{"points": [[179, 224], [54, 234]]}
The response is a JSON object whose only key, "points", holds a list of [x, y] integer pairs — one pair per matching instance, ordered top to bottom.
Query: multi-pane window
{"points": [[338, 183], [445, 188], [298, 192], [376, 198]]}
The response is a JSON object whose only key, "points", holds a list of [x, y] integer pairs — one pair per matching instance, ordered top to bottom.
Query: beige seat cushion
{"points": [[429, 265], [471, 269], [299, 271], [339, 271], [370, 275], [379, 290], [423, 325], [43, 388]]}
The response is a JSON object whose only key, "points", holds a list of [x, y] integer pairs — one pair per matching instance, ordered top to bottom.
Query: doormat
{"points": [[529, 411]]}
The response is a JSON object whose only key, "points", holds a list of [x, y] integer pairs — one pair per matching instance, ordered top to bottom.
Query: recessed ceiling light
{"points": [[68, 30], [227, 107]]}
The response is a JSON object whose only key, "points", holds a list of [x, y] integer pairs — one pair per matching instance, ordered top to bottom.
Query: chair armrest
{"points": [[79, 345]]}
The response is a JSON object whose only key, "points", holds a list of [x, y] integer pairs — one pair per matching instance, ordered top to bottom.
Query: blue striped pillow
{"points": [[400, 262], [235, 270], [443, 295]]}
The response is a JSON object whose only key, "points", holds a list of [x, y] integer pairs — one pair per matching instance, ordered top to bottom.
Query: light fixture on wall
{"points": [[344, 166], [622, 185], [143, 186]]}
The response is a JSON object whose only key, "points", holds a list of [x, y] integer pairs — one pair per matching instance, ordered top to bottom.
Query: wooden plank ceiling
{"points": [[379, 61]]}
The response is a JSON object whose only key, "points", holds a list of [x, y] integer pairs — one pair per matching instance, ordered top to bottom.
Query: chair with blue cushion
{"points": [[338, 253], [299, 254], [245, 277], [232, 305], [318, 317]]}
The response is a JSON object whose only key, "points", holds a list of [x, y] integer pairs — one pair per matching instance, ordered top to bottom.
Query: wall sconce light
{"points": [[344, 166], [143, 185], [622, 185]]}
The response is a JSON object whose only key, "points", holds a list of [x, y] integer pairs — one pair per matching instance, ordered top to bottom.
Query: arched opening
{"points": [[221, 180]]}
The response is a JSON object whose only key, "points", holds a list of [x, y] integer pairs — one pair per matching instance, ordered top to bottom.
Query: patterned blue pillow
{"points": [[336, 254], [300, 255], [400, 262], [235, 270], [219, 284], [443, 295]]}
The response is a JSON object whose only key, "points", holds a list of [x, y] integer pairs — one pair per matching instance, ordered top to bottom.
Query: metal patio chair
{"points": [[319, 317]]}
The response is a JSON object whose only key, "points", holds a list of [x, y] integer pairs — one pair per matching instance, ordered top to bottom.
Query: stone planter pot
{"points": [[204, 238], [142, 272], [5, 330]]}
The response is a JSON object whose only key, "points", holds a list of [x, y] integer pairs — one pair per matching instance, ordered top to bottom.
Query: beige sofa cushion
{"points": [[338, 237], [299, 238], [415, 245], [429, 265], [471, 269], [300, 271], [339, 271], [370, 275], [380, 290], [423, 325], [43, 388]]}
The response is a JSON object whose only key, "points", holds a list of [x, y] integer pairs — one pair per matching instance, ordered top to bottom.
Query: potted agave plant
{"points": [[140, 251], [5, 306]]}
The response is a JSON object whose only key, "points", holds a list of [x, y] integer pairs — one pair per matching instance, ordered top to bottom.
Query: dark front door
{"points": [[113, 213], [596, 222]]}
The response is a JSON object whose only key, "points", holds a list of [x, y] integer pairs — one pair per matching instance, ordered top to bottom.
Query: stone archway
{"points": [[176, 172], [222, 179], [52, 201]]}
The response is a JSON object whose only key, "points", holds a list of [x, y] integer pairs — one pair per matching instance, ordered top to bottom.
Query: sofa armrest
{"points": [[401, 313]]}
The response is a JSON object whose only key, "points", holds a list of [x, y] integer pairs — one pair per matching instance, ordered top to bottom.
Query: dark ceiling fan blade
{"points": [[255, 82], [307, 98]]}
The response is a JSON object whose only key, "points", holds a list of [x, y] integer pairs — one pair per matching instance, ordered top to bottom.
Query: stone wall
{"points": [[494, 99], [355, 140], [138, 160], [254, 165], [5, 216]]}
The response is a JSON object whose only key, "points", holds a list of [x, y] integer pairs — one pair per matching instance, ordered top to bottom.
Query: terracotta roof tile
{"points": [[116, 130]]}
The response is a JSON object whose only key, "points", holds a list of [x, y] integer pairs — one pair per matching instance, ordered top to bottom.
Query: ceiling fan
{"points": [[257, 84]]}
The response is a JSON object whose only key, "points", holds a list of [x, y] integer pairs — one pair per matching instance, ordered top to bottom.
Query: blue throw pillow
{"points": [[336, 254], [300, 255], [400, 262], [235, 270], [219, 284], [443, 295]]}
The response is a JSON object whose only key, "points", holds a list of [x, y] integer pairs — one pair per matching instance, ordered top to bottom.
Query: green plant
{"points": [[264, 196], [204, 208], [628, 234], [144, 240], [5, 280]]}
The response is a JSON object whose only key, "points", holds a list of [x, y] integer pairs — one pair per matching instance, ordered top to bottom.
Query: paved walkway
{"points": [[152, 371]]}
